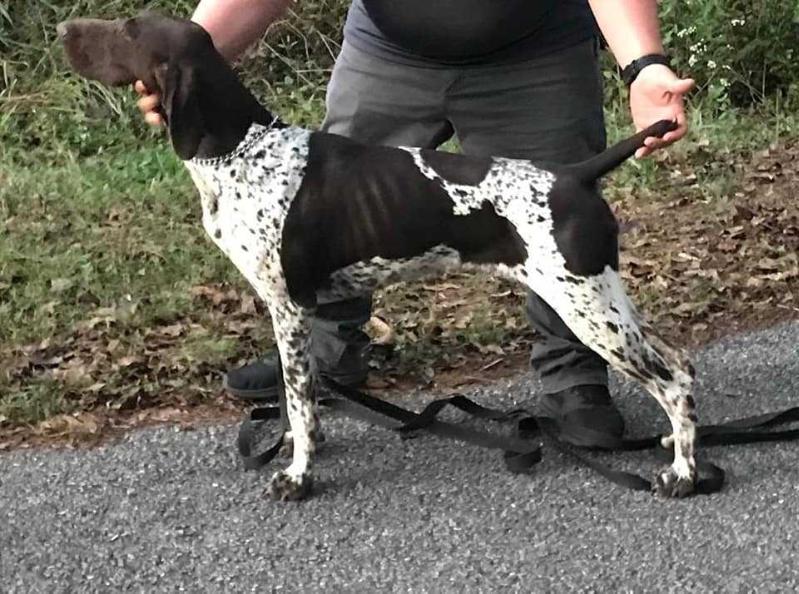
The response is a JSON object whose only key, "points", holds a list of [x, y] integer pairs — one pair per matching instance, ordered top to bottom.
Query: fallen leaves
{"points": [[707, 269], [447, 329], [110, 362]]}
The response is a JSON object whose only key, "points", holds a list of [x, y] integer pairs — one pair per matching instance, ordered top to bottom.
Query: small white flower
{"points": [[711, 64]]}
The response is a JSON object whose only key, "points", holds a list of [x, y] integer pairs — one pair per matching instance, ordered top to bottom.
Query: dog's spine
{"points": [[592, 169]]}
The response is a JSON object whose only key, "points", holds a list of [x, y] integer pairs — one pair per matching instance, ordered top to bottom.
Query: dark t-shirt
{"points": [[452, 32]]}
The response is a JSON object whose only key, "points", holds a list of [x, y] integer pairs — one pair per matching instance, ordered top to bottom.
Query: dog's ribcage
{"points": [[246, 197]]}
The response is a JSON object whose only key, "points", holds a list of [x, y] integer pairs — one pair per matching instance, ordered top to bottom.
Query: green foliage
{"points": [[741, 52], [291, 66], [35, 402]]}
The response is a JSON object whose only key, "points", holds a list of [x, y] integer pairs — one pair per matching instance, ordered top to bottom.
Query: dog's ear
{"points": [[180, 97]]}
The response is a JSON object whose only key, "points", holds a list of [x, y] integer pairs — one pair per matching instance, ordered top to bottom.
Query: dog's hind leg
{"points": [[600, 314], [292, 333]]}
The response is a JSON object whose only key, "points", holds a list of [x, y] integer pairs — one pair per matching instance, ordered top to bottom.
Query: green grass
{"points": [[118, 226], [206, 348], [34, 402]]}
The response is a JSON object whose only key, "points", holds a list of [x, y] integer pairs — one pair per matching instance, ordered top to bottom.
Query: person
{"points": [[511, 78]]}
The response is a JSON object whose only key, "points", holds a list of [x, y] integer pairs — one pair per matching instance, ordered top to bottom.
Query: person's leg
{"points": [[375, 101], [378, 102], [548, 110]]}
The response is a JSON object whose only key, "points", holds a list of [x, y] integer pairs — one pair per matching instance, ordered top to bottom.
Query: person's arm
{"points": [[233, 25], [632, 30]]}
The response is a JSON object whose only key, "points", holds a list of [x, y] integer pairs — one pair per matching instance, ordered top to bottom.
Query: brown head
{"points": [[207, 109]]}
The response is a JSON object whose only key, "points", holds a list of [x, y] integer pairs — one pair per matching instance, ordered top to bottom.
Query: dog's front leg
{"points": [[292, 334]]}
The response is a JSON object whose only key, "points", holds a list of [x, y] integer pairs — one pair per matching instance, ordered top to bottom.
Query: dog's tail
{"points": [[592, 169]]}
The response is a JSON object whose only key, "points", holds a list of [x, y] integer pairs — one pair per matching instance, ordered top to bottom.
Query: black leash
{"points": [[523, 450]]}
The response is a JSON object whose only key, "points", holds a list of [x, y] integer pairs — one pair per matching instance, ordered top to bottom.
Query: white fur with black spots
{"points": [[247, 195]]}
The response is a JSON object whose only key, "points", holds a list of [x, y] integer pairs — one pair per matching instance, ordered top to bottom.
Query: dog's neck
{"points": [[228, 111]]}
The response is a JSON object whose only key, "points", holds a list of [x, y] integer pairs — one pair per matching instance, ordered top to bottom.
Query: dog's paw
{"points": [[668, 483], [284, 487]]}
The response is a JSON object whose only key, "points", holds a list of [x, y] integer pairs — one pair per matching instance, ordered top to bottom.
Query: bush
{"points": [[741, 52], [292, 64]]}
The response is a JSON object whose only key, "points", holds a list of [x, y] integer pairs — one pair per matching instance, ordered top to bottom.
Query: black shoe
{"points": [[257, 381], [585, 415]]}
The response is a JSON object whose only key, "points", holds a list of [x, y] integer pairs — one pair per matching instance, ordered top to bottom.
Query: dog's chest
{"points": [[246, 196]]}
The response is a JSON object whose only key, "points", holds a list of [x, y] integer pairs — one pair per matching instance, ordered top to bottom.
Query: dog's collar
{"points": [[251, 138]]}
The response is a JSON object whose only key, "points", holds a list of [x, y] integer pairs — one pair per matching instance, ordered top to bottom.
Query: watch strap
{"points": [[630, 72]]}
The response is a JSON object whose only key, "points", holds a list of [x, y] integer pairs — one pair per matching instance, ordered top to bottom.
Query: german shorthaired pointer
{"points": [[303, 214]]}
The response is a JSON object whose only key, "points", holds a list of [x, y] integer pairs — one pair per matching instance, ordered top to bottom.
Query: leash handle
{"points": [[246, 438]]}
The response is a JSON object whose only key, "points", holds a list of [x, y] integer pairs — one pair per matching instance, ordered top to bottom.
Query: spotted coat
{"points": [[282, 174]]}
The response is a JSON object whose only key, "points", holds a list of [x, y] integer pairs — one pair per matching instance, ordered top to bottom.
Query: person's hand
{"points": [[657, 94], [148, 104]]}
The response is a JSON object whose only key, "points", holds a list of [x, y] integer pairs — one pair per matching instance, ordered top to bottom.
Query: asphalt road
{"points": [[165, 510]]}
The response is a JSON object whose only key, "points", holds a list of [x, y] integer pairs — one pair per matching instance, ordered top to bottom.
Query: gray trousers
{"points": [[546, 109]]}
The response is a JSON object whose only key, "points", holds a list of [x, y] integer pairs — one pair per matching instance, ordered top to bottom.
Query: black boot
{"points": [[257, 381], [585, 415]]}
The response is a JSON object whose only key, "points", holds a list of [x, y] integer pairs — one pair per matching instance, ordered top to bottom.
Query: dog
{"points": [[306, 215]]}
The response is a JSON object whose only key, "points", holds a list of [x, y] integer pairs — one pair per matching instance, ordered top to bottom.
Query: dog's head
{"points": [[164, 53]]}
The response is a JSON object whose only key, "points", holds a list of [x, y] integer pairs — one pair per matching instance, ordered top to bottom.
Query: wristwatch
{"points": [[630, 72]]}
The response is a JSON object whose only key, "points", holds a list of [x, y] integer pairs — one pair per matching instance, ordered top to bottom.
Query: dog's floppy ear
{"points": [[180, 98]]}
